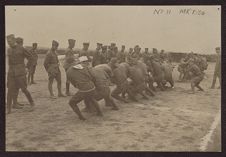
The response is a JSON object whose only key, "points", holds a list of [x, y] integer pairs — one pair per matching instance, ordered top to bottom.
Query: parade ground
{"points": [[173, 120]]}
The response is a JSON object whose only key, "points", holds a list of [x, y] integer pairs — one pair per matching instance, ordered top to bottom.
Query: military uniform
{"points": [[85, 52], [97, 56], [121, 56], [104, 58], [51, 64], [31, 65], [217, 71], [102, 74], [120, 75], [16, 76], [197, 76], [81, 78]]}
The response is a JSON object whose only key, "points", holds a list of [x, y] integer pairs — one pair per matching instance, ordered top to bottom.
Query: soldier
{"points": [[85, 51], [97, 55], [104, 55], [145, 55], [121, 56], [134, 56], [156, 56], [162, 56], [69, 58], [32, 64], [51, 64], [217, 70], [102, 74], [120, 75], [197, 76], [16, 77], [81, 78]]}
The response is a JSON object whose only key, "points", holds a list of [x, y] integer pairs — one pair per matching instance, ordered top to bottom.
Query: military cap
{"points": [[11, 36], [19, 40], [71, 41], [54, 42], [85, 43], [34, 44], [99, 44], [218, 48], [154, 49], [83, 59]]}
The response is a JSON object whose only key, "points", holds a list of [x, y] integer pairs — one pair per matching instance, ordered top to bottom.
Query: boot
{"points": [[77, 111]]}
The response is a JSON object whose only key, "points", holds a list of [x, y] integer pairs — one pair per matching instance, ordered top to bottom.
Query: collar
{"points": [[78, 66]]}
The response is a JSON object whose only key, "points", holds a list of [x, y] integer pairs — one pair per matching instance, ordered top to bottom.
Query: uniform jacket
{"points": [[85, 53], [16, 58], [69, 58], [96, 58], [34, 59], [51, 63], [218, 64], [195, 70], [102, 74], [120, 74], [81, 78]]}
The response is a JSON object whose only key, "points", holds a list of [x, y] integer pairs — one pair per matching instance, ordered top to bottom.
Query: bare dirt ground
{"points": [[173, 120]]}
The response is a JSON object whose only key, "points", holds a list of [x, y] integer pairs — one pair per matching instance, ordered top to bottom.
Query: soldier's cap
{"points": [[11, 36], [19, 40], [71, 41], [54, 42], [34, 44], [85, 44], [99, 44], [218, 48], [83, 59]]}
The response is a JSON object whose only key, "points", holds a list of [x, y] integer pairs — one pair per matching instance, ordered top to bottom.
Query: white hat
{"points": [[83, 59]]}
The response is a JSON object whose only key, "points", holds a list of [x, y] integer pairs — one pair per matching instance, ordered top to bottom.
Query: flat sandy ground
{"points": [[173, 120]]}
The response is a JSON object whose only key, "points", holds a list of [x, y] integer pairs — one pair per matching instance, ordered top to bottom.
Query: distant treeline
{"points": [[175, 56]]}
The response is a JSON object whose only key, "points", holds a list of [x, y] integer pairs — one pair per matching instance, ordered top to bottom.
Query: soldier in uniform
{"points": [[85, 51], [97, 55], [104, 55], [145, 55], [121, 56], [134, 56], [156, 56], [69, 58], [32, 64], [51, 64], [217, 70], [102, 74], [197, 76], [16, 77], [81, 78]]}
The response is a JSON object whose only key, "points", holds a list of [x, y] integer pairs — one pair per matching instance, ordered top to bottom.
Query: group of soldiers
{"points": [[132, 72]]}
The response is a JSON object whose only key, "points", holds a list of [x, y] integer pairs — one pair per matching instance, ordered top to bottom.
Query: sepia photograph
{"points": [[113, 78]]}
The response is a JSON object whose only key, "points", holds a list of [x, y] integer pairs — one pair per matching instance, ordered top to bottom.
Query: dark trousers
{"points": [[31, 72], [217, 74], [57, 77], [14, 83], [104, 92], [89, 99]]}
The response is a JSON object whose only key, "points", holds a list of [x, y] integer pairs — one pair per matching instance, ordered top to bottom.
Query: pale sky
{"points": [[129, 25]]}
